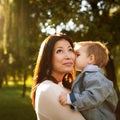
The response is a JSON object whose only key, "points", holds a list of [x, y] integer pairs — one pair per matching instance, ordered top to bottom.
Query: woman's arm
{"points": [[47, 103]]}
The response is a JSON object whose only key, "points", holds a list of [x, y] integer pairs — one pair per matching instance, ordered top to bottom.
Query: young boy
{"points": [[92, 93]]}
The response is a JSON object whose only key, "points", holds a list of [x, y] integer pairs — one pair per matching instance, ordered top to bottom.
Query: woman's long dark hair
{"points": [[43, 66]]}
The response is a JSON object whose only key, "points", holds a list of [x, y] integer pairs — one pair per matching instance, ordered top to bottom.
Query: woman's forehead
{"points": [[62, 43]]}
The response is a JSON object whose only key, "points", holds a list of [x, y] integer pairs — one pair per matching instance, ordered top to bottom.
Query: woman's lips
{"points": [[68, 64]]}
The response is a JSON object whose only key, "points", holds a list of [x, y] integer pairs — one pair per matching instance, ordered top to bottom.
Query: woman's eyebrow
{"points": [[58, 47]]}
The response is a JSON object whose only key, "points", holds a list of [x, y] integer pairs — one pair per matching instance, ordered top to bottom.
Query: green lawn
{"points": [[13, 106]]}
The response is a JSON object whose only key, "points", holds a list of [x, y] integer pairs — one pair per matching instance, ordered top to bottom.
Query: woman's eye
{"points": [[71, 49], [59, 51]]}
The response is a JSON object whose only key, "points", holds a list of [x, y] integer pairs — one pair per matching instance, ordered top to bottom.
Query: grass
{"points": [[13, 106]]}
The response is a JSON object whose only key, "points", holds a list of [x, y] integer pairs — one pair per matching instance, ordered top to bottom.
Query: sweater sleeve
{"points": [[47, 103]]}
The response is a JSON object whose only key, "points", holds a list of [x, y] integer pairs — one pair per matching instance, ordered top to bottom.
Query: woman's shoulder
{"points": [[47, 83], [49, 87]]}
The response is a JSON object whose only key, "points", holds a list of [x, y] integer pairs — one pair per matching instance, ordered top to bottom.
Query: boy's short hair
{"points": [[99, 50]]}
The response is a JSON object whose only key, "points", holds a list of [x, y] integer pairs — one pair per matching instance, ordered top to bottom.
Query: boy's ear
{"points": [[91, 59]]}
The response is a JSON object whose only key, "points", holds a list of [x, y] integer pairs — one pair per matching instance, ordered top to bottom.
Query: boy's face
{"points": [[82, 59]]}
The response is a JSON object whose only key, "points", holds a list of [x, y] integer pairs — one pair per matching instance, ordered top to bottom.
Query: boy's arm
{"points": [[96, 90]]}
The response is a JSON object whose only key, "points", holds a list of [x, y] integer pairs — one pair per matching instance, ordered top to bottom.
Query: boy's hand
{"points": [[63, 98]]}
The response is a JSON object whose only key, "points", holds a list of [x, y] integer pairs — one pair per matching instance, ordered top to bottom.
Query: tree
{"points": [[97, 20], [27, 23]]}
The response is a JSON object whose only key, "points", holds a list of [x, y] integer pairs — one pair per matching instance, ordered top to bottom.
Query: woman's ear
{"points": [[91, 59]]}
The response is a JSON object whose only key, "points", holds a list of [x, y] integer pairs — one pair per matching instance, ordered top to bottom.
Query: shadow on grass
{"points": [[13, 106]]}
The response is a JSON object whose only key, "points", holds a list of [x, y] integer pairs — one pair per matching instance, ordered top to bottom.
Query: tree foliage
{"points": [[25, 23]]}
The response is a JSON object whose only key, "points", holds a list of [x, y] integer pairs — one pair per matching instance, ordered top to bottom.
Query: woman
{"points": [[55, 62]]}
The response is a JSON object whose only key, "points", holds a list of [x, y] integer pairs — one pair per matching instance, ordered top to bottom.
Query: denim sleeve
{"points": [[96, 90]]}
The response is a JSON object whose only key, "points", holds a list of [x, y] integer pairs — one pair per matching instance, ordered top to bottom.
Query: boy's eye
{"points": [[77, 55]]}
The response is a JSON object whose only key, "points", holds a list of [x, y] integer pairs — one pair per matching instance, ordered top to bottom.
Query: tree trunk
{"points": [[110, 71], [1, 81], [24, 85]]}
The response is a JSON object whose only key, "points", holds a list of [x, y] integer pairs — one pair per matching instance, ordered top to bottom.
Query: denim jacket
{"points": [[93, 95]]}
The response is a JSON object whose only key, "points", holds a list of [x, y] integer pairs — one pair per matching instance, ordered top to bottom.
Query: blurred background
{"points": [[24, 24]]}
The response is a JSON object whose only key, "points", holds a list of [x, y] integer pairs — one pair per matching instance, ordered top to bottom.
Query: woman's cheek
{"points": [[74, 57]]}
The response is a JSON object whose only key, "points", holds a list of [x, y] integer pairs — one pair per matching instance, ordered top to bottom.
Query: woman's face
{"points": [[63, 57]]}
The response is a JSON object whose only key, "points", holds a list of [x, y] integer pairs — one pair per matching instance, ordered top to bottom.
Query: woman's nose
{"points": [[67, 55]]}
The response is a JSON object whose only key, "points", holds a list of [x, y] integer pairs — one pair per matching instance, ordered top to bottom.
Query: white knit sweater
{"points": [[47, 105]]}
